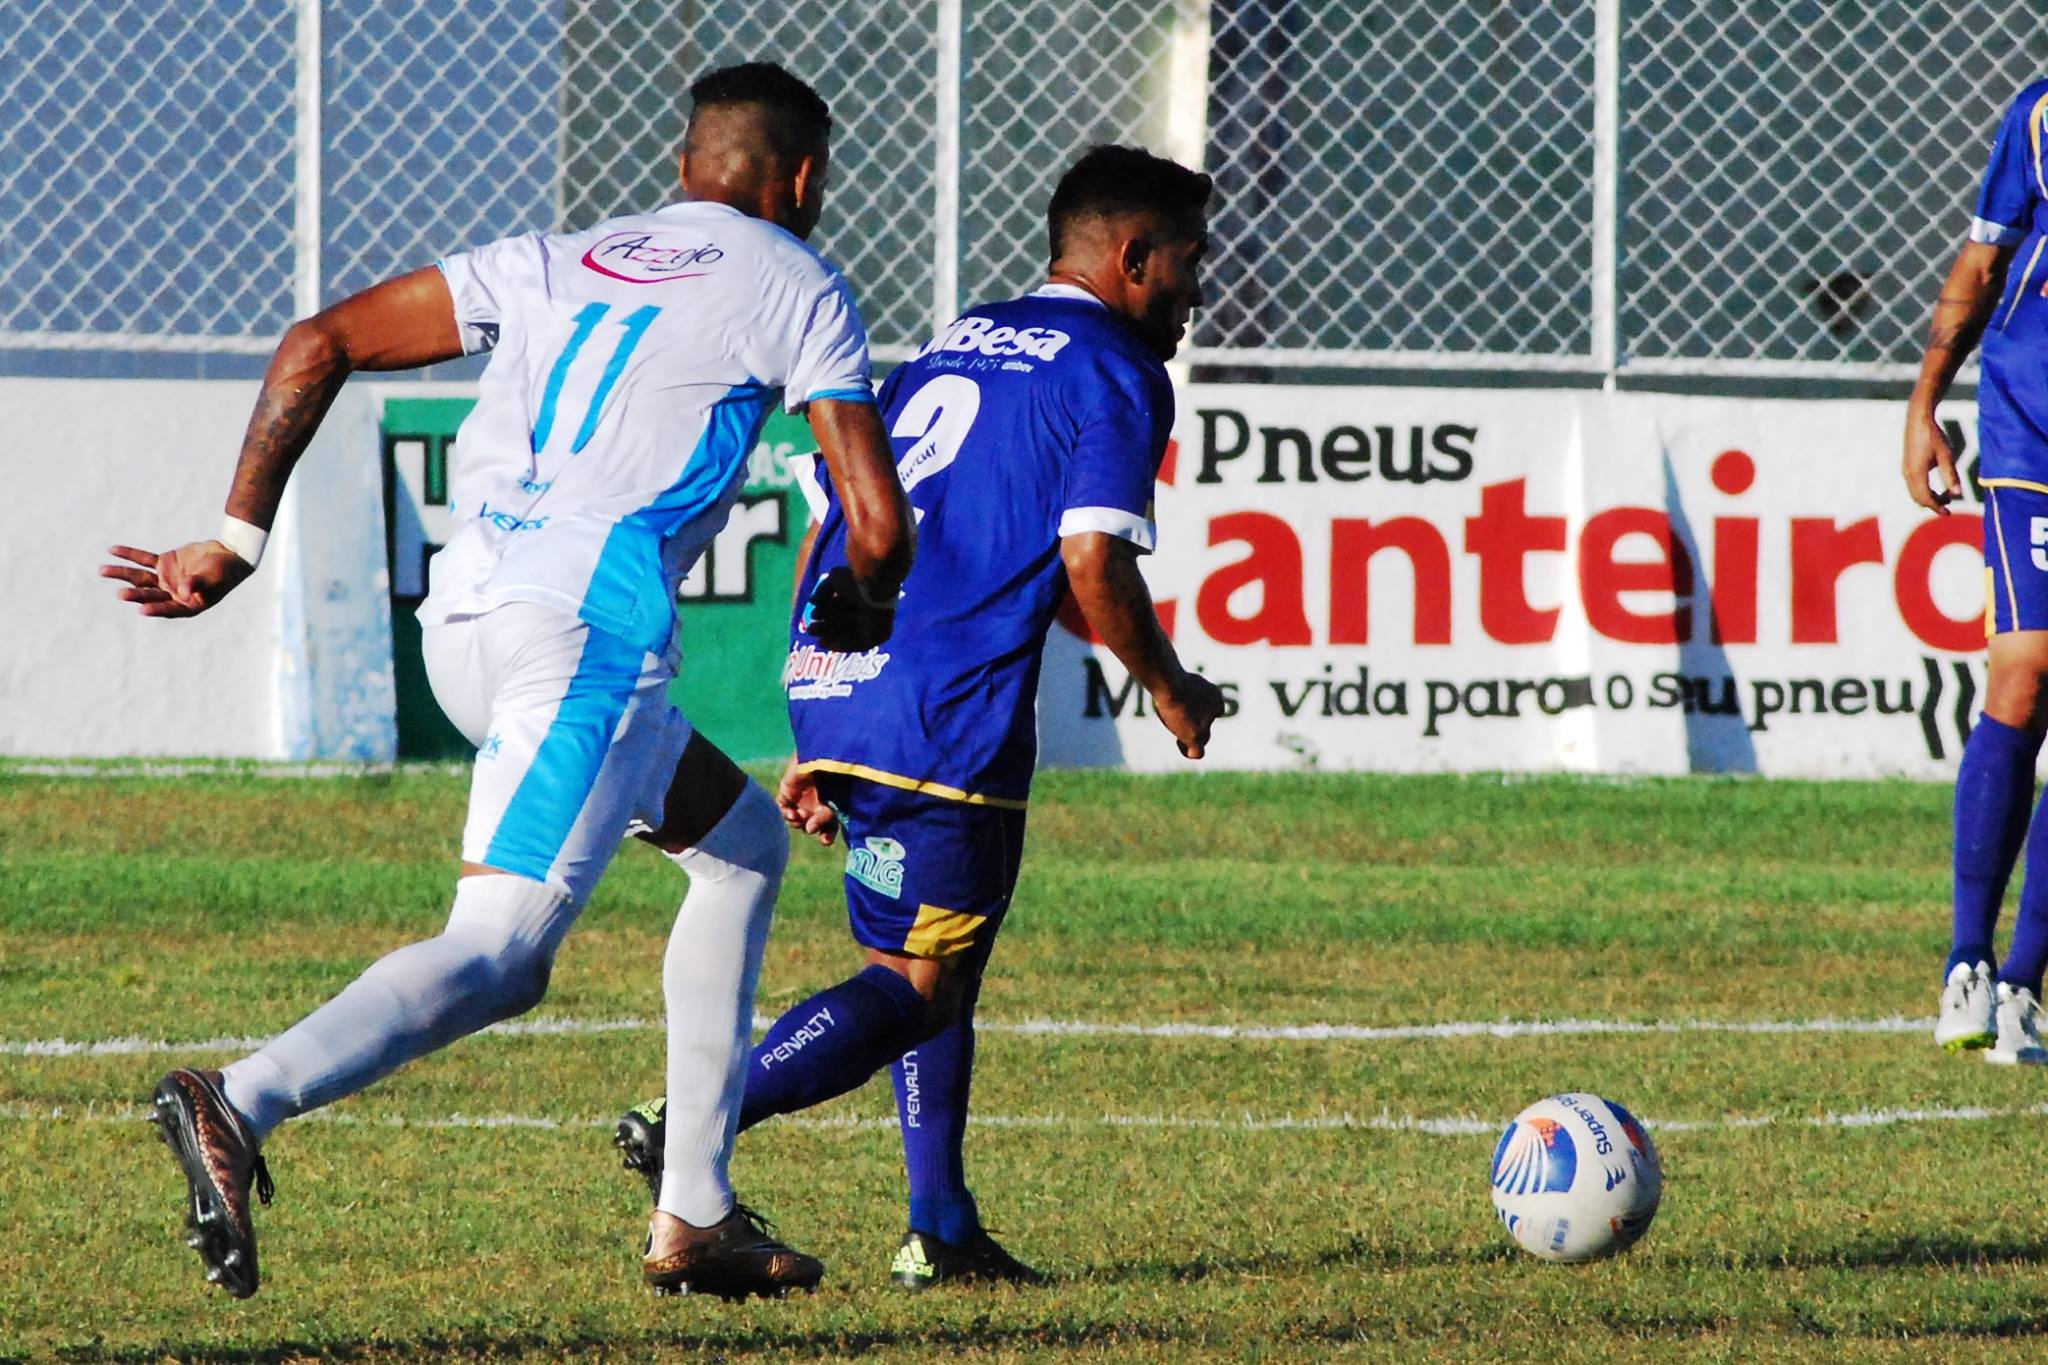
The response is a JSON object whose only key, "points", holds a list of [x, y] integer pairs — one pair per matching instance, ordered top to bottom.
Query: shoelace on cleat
{"points": [[266, 1190], [754, 1219]]}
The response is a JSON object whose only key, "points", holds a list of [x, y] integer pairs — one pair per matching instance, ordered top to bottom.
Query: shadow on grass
{"points": [[1357, 1253], [1883, 1253], [824, 1343]]}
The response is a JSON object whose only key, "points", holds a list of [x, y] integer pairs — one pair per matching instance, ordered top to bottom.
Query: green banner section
{"points": [[734, 607]]}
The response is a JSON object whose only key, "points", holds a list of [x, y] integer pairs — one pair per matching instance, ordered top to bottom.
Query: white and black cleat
{"points": [[1969, 1008], [2019, 1029], [639, 1137]]}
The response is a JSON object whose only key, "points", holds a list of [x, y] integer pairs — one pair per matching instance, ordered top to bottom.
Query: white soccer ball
{"points": [[1575, 1178]]}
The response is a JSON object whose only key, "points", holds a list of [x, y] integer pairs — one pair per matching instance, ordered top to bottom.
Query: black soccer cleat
{"points": [[639, 1137], [219, 1160], [924, 1261]]}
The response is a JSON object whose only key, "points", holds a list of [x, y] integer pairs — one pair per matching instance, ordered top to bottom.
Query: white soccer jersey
{"points": [[632, 367]]}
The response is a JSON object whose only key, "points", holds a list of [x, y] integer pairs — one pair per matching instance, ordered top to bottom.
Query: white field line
{"points": [[174, 768], [1081, 1028], [1457, 1125]]}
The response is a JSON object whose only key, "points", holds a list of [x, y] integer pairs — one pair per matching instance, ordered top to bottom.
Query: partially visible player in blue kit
{"points": [[1986, 298], [1027, 435]]}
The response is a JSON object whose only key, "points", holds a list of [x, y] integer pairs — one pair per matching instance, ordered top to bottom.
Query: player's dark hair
{"points": [[797, 122], [1111, 180]]}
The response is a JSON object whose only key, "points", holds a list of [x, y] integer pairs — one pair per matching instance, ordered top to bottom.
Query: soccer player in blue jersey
{"points": [[1986, 299], [1028, 435]]}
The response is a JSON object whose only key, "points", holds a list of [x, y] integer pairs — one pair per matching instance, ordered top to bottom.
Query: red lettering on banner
{"points": [[1733, 472], [1502, 536], [1736, 542], [1352, 546], [1821, 553], [1274, 564], [1603, 578], [1911, 583], [1734, 587]]}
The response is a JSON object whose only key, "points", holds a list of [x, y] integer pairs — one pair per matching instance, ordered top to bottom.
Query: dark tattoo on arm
{"points": [[296, 395]]}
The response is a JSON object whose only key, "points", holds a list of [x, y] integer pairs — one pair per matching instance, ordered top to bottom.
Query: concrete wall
{"points": [[90, 463]]}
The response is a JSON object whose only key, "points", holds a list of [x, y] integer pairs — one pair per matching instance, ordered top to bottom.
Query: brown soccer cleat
{"points": [[219, 1159], [731, 1259]]}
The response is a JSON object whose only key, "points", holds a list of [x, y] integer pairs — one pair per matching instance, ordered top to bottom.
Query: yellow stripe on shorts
{"points": [[941, 933]]}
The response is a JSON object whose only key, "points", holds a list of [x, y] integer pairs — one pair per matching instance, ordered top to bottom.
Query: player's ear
{"points": [[683, 168], [809, 182], [1134, 257]]}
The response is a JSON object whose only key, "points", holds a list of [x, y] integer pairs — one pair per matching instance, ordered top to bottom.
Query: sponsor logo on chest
{"points": [[651, 257], [981, 336]]}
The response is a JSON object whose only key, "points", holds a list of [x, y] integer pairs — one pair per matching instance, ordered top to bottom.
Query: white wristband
{"points": [[245, 540]]}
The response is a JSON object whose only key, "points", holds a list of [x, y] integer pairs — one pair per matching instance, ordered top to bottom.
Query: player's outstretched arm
{"points": [[1968, 296], [400, 324], [1103, 572]]}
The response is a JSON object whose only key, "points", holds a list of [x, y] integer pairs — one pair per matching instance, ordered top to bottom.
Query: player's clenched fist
{"points": [[180, 582], [842, 618], [1188, 706], [802, 808]]}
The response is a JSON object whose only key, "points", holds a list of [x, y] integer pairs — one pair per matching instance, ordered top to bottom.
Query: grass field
{"points": [[1831, 1194]]}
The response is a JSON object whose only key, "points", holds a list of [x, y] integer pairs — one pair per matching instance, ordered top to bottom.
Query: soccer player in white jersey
{"points": [[632, 367]]}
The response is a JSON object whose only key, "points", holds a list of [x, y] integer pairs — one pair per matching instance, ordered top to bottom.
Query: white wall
{"points": [[93, 462]]}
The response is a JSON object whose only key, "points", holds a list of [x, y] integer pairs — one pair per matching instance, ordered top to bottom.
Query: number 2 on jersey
{"points": [[634, 325], [937, 419]]}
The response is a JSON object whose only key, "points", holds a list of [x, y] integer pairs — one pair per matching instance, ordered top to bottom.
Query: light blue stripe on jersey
{"points": [[587, 318], [636, 324], [842, 396], [627, 593], [551, 795]]}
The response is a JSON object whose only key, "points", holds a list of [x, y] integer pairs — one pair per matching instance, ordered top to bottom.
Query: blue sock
{"points": [[1994, 793], [2029, 951], [832, 1043], [931, 1108]]}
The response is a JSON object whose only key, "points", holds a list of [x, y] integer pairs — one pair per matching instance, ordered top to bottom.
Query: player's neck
{"points": [[1074, 280]]}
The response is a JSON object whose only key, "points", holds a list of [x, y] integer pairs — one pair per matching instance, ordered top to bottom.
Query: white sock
{"points": [[490, 963], [708, 977]]}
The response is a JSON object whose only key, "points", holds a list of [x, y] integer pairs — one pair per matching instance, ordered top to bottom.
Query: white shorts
{"points": [[576, 739]]}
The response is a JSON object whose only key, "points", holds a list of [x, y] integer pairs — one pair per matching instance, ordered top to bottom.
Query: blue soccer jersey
{"points": [[2012, 211], [1021, 423]]}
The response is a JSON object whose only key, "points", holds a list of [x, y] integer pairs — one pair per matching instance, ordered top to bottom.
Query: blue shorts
{"points": [[2015, 559], [925, 876]]}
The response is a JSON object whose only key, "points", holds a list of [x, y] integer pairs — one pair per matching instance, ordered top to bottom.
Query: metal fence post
{"points": [[306, 165], [946, 170], [1606, 182]]}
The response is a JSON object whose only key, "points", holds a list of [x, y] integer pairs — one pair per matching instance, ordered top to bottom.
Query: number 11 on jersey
{"points": [[633, 326]]}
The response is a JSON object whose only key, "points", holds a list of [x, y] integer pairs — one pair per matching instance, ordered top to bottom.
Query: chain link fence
{"points": [[1600, 186]]}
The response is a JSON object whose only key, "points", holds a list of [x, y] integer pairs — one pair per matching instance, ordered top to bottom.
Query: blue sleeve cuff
{"points": [[846, 395]]}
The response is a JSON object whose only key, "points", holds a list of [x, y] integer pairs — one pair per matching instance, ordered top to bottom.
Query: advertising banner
{"points": [[1429, 580], [1446, 580]]}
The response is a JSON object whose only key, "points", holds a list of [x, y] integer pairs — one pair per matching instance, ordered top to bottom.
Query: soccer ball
{"points": [[1575, 1178]]}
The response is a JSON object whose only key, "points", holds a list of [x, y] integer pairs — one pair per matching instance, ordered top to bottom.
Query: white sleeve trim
{"points": [[1995, 234], [477, 334], [805, 470], [1113, 521]]}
